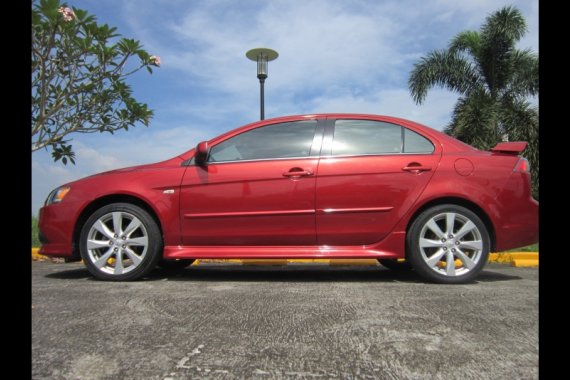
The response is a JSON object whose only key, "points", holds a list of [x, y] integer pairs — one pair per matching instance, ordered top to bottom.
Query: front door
{"points": [[257, 188]]}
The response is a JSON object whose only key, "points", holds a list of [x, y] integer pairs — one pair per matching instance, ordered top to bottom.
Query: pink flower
{"points": [[67, 13], [155, 60]]}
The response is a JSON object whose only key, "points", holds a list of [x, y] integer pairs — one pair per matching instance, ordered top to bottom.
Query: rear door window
{"points": [[364, 137], [369, 137], [416, 143]]}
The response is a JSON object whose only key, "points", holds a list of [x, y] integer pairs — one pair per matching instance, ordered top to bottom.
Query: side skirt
{"points": [[393, 247]]}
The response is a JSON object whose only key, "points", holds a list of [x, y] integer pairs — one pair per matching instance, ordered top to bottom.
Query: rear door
{"points": [[370, 174], [258, 188]]}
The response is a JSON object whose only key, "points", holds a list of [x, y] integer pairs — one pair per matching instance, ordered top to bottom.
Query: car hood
{"points": [[176, 161]]}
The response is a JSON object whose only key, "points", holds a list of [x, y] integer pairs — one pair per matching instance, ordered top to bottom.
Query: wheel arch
{"points": [[103, 201], [458, 202]]}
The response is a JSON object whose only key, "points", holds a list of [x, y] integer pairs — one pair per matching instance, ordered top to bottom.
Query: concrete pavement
{"points": [[301, 321]]}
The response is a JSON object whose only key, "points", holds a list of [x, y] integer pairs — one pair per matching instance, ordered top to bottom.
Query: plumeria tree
{"points": [[78, 78]]}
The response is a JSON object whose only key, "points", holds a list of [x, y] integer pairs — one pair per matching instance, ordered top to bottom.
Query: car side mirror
{"points": [[202, 152]]}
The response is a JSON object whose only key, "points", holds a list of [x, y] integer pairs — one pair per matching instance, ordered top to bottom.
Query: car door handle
{"points": [[416, 168], [297, 172]]}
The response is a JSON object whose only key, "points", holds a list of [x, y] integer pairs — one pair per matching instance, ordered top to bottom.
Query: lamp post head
{"points": [[262, 56]]}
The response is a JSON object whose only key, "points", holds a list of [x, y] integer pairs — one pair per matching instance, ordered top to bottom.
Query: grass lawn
{"points": [[35, 239], [530, 248]]}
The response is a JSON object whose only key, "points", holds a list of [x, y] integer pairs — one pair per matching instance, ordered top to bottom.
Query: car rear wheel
{"points": [[120, 242], [448, 244], [175, 264], [398, 265]]}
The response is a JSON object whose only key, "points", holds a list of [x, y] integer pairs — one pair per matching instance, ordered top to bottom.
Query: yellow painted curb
{"points": [[524, 255], [36, 256], [499, 258], [516, 259], [199, 261], [264, 262], [524, 263], [457, 264]]}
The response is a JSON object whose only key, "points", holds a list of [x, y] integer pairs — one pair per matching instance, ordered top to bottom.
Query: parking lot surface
{"points": [[301, 321]]}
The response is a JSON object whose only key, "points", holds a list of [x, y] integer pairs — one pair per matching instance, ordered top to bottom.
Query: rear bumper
{"points": [[518, 215], [521, 231]]}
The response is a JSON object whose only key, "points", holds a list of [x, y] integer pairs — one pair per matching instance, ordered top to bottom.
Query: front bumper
{"points": [[56, 231]]}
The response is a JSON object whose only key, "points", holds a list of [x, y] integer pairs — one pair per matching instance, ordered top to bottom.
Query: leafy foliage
{"points": [[78, 78], [494, 79], [35, 238]]}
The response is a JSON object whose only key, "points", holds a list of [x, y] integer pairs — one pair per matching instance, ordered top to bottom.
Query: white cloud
{"points": [[320, 42], [95, 160]]}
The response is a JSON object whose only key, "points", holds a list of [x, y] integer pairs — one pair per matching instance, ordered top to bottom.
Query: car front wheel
{"points": [[120, 242], [448, 244]]}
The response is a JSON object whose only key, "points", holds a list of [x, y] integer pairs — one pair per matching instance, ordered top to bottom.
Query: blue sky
{"points": [[334, 56]]}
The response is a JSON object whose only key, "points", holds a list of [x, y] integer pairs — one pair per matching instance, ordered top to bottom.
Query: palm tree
{"points": [[495, 81]]}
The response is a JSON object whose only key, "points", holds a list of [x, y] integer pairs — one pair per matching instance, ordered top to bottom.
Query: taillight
{"points": [[522, 166]]}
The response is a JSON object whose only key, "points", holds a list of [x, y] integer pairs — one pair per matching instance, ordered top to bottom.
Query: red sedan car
{"points": [[312, 186]]}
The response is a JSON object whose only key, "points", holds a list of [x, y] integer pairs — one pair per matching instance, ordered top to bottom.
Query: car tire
{"points": [[444, 233], [120, 242], [175, 264], [396, 265]]}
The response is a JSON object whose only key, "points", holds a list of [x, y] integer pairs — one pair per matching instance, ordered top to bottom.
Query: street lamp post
{"points": [[262, 56]]}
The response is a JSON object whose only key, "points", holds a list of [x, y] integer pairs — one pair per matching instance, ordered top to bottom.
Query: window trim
{"points": [[403, 139], [378, 155], [261, 160]]}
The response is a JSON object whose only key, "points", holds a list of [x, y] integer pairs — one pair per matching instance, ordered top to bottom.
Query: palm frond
{"points": [[507, 24], [499, 34], [467, 41], [442, 68], [523, 79], [475, 121]]}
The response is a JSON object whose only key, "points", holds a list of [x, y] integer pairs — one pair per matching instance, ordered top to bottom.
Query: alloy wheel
{"points": [[117, 242], [451, 244]]}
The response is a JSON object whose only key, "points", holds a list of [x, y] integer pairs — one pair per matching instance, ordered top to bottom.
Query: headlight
{"points": [[57, 195]]}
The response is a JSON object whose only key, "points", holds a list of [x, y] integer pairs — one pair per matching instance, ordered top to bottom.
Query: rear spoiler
{"points": [[514, 147]]}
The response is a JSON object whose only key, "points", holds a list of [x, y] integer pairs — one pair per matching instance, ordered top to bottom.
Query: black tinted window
{"points": [[356, 137], [282, 140], [416, 143]]}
